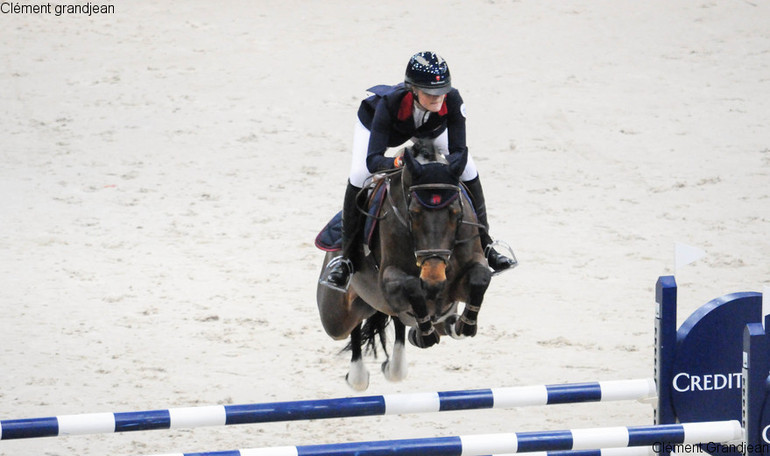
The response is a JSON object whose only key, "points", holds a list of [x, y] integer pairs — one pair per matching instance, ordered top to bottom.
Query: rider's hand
{"points": [[398, 161]]}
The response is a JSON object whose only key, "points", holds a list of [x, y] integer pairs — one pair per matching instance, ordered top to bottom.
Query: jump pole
{"points": [[695, 374], [392, 404], [512, 443]]}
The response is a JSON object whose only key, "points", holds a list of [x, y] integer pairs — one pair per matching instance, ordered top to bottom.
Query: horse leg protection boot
{"points": [[351, 246], [496, 261]]}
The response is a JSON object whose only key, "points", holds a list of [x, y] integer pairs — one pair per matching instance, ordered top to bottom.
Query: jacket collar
{"points": [[406, 107]]}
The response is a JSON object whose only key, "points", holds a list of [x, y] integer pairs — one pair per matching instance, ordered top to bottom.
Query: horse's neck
{"points": [[397, 191], [397, 200]]}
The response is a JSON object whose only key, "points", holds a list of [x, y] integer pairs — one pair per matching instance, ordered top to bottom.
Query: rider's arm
{"points": [[378, 141], [458, 150]]}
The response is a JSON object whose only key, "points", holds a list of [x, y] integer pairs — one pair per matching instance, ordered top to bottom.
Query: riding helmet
{"points": [[428, 72]]}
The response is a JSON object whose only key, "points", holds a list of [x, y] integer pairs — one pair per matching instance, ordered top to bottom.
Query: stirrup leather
{"points": [[344, 262]]}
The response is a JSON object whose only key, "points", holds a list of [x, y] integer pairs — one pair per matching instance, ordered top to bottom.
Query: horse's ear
{"points": [[415, 168]]}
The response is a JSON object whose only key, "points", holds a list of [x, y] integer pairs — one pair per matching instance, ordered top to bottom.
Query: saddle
{"points": [[329, 239]]}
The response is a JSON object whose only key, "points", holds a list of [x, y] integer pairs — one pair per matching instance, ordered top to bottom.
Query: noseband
{"points": [[411, 193], [421, 256]]}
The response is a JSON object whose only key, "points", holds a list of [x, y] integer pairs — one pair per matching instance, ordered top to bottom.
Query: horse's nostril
{"points": [[433, 272], [433, 277]]}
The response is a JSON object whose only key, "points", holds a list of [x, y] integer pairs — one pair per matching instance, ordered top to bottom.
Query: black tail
{"points": [[374, 326]]}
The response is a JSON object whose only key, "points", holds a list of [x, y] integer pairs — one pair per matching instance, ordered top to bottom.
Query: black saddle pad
{"points": [[330, 237]]}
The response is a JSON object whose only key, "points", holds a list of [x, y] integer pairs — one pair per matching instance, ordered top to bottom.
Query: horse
{"points": [[425, 259]]}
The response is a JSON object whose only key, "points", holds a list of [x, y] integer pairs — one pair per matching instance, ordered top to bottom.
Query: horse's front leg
{"points": [[479, 277], [399, 286], [394, 368]]}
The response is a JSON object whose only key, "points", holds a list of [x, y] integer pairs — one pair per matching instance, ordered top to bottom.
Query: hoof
{"points": [[451, 328], [465, 329], [423, 341], [394, 369], [393, 373], [358, 376]]}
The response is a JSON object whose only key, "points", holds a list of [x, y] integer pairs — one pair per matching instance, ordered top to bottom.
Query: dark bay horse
{"points": [[425, 260]]}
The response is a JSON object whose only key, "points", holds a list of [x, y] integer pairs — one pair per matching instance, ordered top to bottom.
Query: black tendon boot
{"points": [[497, 261], [344, 267]]}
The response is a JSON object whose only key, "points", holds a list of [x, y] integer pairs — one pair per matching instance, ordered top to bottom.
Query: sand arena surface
{"points": [[165, 169]]}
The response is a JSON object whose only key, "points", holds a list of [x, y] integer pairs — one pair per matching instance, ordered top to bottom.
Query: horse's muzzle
{"points": [[433, 275]]}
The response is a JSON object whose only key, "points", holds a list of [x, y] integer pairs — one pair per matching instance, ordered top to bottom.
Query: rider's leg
{"points": [[351, 243], [496, 260], [340, 273]]}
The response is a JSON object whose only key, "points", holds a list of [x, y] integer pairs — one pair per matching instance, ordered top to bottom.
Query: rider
{"points": [[424, 108]]}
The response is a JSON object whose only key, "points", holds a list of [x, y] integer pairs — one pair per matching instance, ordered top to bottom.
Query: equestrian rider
{"points": [[424, 108]]}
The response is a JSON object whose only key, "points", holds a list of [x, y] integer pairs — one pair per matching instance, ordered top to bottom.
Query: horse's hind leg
{"points": [[394, 368], [358, 376]]}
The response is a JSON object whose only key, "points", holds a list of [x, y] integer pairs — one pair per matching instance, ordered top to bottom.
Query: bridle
{"points": [[409, 194]]}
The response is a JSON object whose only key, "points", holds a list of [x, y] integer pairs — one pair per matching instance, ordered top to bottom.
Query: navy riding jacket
{"points": [[388, 116]]}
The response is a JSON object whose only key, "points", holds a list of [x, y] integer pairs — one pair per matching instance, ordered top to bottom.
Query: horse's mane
{"points": [[426, 153]]}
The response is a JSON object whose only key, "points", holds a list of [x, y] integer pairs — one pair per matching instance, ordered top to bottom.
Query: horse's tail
{"points": [[373, 329]]}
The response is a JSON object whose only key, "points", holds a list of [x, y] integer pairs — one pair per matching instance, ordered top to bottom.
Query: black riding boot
{"points": [[496, 260], [340, 273]]}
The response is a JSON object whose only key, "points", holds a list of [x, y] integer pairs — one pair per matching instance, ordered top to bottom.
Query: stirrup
{"points": [[506, 250], [332, 264]]}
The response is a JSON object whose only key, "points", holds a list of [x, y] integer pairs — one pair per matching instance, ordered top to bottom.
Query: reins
{"points": [[405, 220]]}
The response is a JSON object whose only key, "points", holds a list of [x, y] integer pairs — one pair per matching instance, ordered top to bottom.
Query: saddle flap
{"points": [[329, 239]]}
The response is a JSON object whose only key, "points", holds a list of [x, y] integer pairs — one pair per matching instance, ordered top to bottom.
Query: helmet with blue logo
{"points": [[428, 72]]}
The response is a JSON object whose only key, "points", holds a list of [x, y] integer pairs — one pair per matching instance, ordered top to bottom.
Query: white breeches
{"points": [[359, 173]]}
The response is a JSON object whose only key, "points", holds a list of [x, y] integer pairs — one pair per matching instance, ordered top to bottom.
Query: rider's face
{"points": [[432, 103]]}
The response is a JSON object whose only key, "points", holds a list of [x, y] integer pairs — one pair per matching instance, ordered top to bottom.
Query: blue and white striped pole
{"points": [[393, 404], [512, 443], [627, 451]]}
